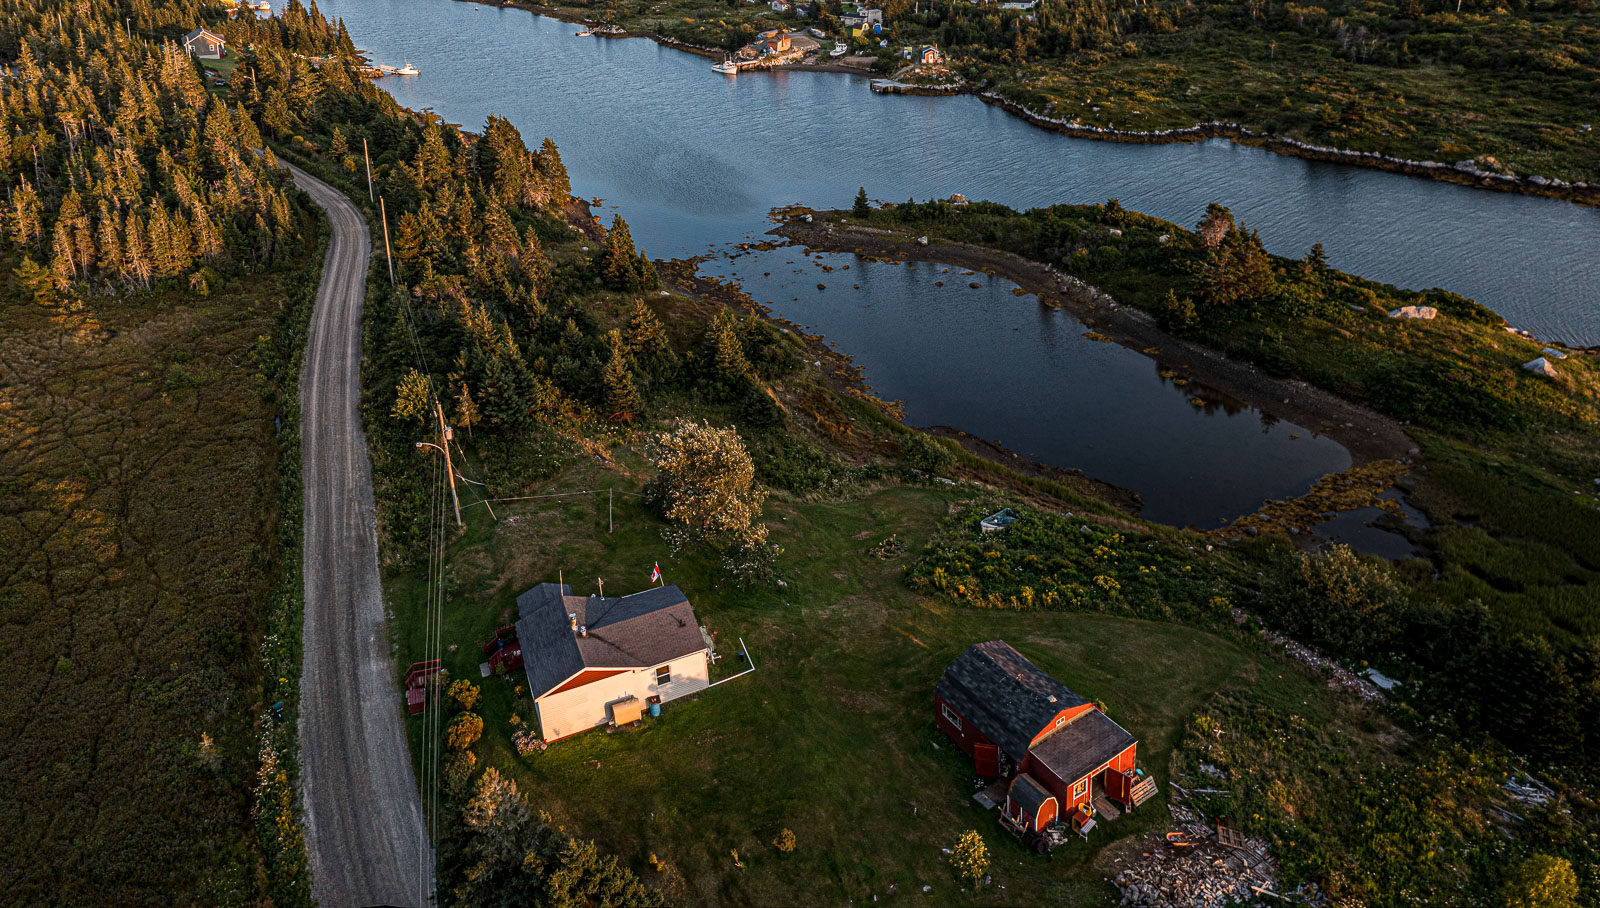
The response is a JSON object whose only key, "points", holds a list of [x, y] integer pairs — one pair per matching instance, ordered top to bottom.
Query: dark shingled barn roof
{"points": [[639, 631], [1006, 696], [1087, 743], [1029, 795]]}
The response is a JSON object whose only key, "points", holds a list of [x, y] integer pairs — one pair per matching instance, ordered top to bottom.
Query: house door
{"points": [[986, 757]]}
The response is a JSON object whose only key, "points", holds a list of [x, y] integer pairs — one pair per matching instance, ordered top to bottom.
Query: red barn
{"points": [[1015, 720]]}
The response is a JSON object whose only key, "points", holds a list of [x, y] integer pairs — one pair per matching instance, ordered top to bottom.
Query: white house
{"points": [[205, 44], [592, 660]]}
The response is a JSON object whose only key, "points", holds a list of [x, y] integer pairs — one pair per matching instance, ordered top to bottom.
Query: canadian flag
{"points": [[655, 574]]}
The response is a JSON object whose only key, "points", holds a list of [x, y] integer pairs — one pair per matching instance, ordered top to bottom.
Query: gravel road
{"points": [[364, 825]]}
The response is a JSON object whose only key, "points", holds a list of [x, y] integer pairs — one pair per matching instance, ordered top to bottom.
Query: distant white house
{"points": [[1023, 4], [779, 6], [205, 44], [592, 660]]}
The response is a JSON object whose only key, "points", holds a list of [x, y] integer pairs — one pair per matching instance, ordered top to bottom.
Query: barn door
{"points": [[987, 759], [1119, 786]]}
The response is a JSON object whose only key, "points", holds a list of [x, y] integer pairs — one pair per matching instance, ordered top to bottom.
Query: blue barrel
{"points": [[655, 709]]}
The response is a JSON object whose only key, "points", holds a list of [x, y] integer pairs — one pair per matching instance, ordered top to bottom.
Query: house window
{"points": [[664, 675], [950, 715], [1060, 721], [1080, 788]]}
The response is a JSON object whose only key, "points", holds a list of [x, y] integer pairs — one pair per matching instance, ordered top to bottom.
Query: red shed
{"points": [[1015, 720], [1029, 804]]}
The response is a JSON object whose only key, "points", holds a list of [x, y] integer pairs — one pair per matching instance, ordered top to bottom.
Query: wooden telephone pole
{"points": [[368, 158], [383, 213], [445, 435]]}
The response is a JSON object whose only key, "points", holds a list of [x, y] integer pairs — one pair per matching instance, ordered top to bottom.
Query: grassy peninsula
{"points": [[1511, 88]]}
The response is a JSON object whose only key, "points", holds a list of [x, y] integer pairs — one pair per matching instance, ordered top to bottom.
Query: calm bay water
{"points": [[695, 161]]}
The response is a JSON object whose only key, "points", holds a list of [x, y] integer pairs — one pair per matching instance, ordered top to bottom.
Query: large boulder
{"points": [[1414, 312], [1541, 366]]}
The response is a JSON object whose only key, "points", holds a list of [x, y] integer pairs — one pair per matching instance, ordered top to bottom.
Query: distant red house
{"points": [[1017, 722]]}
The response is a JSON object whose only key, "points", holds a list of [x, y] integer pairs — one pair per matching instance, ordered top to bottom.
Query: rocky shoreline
{"points": [[1464, 173]]}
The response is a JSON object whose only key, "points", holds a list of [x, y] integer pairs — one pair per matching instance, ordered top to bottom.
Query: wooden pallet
{"points": [[1144, 790], [1236, 840]]}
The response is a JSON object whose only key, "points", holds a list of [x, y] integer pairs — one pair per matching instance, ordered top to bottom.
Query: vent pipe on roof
{"points": [[572, 619], [583, 630], [1052, 698]]}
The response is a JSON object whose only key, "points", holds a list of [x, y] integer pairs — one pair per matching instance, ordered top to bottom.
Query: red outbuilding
{"points": [[1017, 722]]}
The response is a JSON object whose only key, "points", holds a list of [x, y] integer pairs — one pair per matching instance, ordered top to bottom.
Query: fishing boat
{"points": [[586, 33], [839, 50], [727, 67], [408, 70], [997, 521]]}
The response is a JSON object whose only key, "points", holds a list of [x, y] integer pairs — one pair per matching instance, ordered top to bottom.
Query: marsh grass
{"points": [[138, 531]]}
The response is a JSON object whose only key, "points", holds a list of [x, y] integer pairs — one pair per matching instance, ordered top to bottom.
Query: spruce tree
{"points": [[862, 208], [619, 264], [727, 349], [621, 395]]}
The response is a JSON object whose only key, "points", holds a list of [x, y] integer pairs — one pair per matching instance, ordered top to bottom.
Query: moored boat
{"points": [[726, 66], [408, 70]]}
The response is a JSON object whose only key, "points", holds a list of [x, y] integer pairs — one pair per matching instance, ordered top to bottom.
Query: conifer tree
{"points": [[552, 172], [862, 207], [619, 264], [648, 342], [727, 349], [621, 395], [466, 410]]}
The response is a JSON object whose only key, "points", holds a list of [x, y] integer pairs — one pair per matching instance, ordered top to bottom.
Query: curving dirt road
{"points": [[364, 825]]}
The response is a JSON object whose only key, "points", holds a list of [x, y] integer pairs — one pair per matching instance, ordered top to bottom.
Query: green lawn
{"points": [[832, 736]]}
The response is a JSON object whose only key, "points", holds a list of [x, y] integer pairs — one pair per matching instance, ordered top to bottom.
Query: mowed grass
{"points": [[137, 509], [832, 736]]}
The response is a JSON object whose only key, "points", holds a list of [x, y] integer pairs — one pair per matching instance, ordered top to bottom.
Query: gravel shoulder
{"points": [[365, 833]]}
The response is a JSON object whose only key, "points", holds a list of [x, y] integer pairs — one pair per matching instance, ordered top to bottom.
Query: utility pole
{"points": [[368, 158], [383, 213], [444, 443], [602, 582]]}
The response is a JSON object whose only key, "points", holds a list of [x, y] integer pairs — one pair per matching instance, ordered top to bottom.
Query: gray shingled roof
{"points": [[638, 631], [1004, 695], [1082, 746], [1030, 795]]}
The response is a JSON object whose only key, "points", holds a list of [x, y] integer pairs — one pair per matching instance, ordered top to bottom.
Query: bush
{"points": [[921, 452], [465, 694], [463, 731], [458, 769], [785, 841], [970, 856], [1541, 881]]}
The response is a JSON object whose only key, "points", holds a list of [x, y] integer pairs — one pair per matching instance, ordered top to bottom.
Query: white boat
{"points": [[586, 33], [839, 50], [726, 66], [408, 70]]}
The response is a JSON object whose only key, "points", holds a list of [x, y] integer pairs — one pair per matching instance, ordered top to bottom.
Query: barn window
{"points": [[664, 674], [950, 715], [1080, 787]]}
